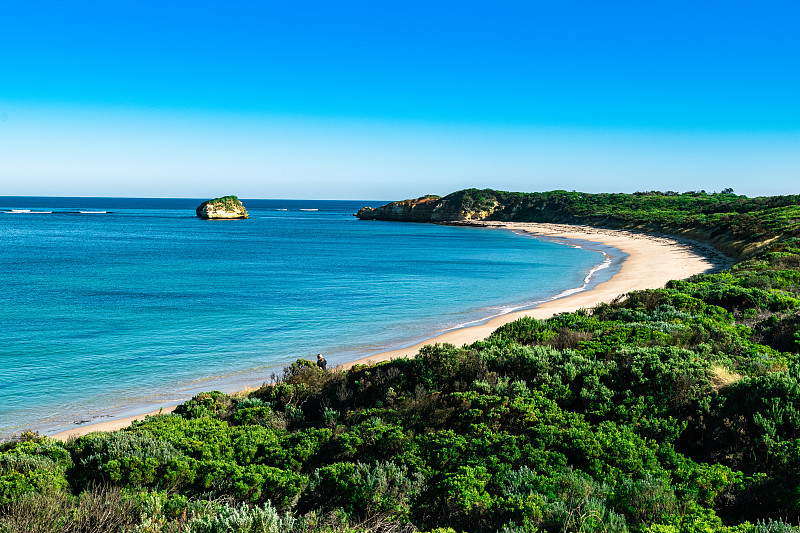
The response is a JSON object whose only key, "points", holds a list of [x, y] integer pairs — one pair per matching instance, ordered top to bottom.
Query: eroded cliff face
{"points": [[227, 207], [556, 207], [427, 209], [415, 210]]}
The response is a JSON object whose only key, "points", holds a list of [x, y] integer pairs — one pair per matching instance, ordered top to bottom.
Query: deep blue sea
{"points": [[114, 306]]}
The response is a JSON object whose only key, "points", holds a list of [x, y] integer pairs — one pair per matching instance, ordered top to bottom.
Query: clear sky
{"points": [[390, 100]]}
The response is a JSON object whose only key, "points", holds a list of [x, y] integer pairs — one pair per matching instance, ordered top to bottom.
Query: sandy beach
{"points": [[652, 261]]}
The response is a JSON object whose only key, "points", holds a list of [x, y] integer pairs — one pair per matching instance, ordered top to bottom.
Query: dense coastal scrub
{"points": [[735, 224], [665, 411]]}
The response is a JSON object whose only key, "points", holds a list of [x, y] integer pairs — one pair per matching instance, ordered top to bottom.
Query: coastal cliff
{"points": [[226, 207], [429, 208], [736, 225]]}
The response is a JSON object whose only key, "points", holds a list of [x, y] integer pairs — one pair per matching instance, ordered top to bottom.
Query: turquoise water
{"points": [[107, 313]]}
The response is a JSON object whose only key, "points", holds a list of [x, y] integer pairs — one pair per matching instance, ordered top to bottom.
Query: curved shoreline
{"points": [[650, 263], [600, 273]]}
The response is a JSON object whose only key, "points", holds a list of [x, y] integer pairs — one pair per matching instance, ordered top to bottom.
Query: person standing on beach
{"points": [[321, 362]]}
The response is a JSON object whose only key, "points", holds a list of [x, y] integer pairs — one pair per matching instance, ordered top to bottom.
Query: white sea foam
{"points": [[281, 210], [309, 210], [27, 212], [605, 264], [569, 292], [563, 294]]}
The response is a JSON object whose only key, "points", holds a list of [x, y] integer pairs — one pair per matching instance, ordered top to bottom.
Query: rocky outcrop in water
{"points": [[227, 207]]}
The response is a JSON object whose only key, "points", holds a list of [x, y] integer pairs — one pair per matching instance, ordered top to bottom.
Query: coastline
{"points": [[651, 262]]}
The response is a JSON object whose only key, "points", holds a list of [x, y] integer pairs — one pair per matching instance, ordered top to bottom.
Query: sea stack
{"points": [[227, 207]]}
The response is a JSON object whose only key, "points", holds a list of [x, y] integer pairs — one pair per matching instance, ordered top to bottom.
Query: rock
{"points": [[458, 206], [227, 207], [417, 210]]}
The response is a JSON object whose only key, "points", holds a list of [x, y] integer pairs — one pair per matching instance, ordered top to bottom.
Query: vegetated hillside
{"points": [[737, 225], [669, 410]]}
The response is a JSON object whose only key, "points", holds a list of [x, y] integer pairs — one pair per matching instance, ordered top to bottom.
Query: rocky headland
{"points": [[226, 207], [430, 208], [736, 225]]}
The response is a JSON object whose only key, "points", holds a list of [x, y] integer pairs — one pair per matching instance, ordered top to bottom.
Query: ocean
{"points": [[114, 306]]}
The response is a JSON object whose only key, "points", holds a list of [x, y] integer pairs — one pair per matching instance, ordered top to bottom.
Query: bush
{"points": [[204, 404], [132, 459], [22, 473], [363, 490], [645, 501], [99, 509], [242, 519]]}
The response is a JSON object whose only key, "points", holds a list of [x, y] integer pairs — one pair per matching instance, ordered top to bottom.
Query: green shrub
{"points": [[246, 403], [204, 405], [199, 438], [132, 459], [22, 474], [364, 490], [645, 501], [99, 509], [242, 519], [775, 526]]}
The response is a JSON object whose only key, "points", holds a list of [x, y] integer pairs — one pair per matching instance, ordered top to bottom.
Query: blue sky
{"points": [[378, 100]]}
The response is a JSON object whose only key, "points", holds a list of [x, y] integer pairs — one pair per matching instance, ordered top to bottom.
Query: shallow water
{"points": [[115, 304]]}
